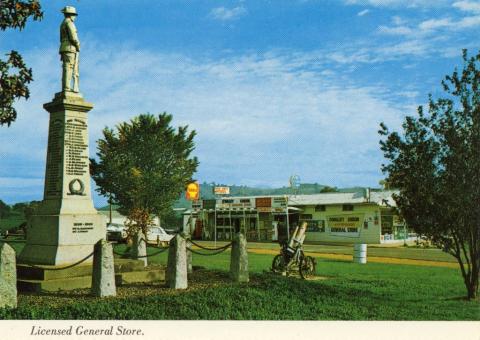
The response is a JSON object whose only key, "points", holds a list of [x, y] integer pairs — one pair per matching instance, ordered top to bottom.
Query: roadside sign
{"points": [[221, 190], [193, 191]]}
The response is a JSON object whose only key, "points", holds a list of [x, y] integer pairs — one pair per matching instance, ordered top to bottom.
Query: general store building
{"points": [[361, 217]]}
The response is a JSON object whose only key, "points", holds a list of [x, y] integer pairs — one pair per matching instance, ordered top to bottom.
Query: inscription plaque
{"points": [[76, 147]]}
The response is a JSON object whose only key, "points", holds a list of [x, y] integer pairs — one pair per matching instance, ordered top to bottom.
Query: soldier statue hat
{"points": [[69, 10]]}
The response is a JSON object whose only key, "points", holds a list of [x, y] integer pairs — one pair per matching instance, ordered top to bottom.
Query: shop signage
{"points": [[221, 190], [193, 191], [263, 202], [279, 202], [264, 209], [349, 221]]}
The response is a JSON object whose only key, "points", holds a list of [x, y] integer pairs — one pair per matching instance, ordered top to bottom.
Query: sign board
{"points": [[221, 190], [193, 191], [263, 202], [279, 202], [345, 223]]}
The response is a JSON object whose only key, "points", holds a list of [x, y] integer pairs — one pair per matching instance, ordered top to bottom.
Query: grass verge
{"points": [[374, 291]]}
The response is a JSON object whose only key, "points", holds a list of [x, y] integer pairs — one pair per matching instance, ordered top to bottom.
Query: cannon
{"points": [[292, 257]]}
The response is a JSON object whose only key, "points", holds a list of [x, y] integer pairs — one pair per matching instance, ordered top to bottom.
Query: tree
{"points": [[14, 74], [144, 165], [436, 167], [326, 189], [5, 209]]}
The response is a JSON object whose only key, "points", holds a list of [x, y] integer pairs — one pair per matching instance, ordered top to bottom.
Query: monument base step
{"points": [[147, 275], [40, 278], [54, 285]]}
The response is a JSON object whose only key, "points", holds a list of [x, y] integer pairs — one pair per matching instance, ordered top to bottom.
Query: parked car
{"points": [[116, 232], [158, 234]]}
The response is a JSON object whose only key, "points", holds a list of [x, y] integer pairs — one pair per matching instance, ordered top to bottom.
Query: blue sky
{"points": [[273, 88]]}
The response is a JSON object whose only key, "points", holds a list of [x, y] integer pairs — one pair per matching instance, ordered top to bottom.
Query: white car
{"points": [[118, 232], [155, 234]]}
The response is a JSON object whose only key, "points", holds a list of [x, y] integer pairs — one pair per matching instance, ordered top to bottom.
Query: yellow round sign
{"points": [[193, 191]]}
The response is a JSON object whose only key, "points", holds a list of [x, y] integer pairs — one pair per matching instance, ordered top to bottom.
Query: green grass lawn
{"points": [[374, 291]]}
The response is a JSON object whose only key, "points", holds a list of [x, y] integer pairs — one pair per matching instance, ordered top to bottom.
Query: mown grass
{"points": [[374, 291]]}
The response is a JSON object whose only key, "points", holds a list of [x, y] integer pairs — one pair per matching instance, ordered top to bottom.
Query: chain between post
{"points": [[62, 268]]}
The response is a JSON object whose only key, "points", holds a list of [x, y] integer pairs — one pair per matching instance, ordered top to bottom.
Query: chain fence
{"points": [[162, 249], [213, 251], [59, 268]]}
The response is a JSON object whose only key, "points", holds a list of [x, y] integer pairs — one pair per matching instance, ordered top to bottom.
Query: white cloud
{"points": [[399, 3], [467, 6], [364, 12], [225, 14], [398, 20], [469, 22], [433, 24], [450, 24], [396, 30], [259, 118]]}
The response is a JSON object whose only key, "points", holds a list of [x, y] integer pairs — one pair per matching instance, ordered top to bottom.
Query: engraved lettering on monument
{"points": [[76, 148], [54, 159], [80, 227]]}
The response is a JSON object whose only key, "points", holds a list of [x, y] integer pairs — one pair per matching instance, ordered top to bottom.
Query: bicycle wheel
{"points": [[278, 264], [307, 267]]}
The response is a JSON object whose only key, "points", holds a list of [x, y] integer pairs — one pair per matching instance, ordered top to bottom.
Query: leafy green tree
{"points": [[14, 74], [144, 165], [436, 167], [328, 189], [5, 209]]}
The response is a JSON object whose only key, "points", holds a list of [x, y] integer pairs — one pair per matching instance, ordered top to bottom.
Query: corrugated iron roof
{"points": [[377, 197]]}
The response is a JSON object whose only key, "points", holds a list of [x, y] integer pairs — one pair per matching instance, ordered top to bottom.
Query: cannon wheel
{"points": [[278, 264], [307, 267]]}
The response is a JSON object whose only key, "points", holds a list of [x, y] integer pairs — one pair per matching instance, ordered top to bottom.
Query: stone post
{"points": [[139, 247], [189, 257], [239, 259], [177, 264], [103, 276], [8, 277]]}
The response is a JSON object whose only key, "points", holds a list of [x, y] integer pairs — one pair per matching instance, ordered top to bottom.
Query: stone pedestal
{"points": [[66, 225], [139, 247], [189, 258], [239, 259], [177, 264], [103, 276], [8, 277]]}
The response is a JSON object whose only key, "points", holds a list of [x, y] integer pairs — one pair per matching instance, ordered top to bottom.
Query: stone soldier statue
{"points": [[69, 50]]}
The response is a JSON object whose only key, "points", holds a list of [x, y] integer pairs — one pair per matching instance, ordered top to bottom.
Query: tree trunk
{"points": [[470, 275], [472, 283]]}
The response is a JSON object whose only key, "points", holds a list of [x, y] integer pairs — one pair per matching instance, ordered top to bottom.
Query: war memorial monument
{"points": [[64, 229]]}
